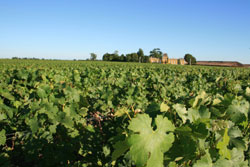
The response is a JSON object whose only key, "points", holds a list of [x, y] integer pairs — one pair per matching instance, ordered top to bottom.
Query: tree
{"points": [[116, 52], [156, 53], [140, 54], [93, 56], [105, 57], [115, 57], [122, 57], [132, 57], [135, 57], [145, 59], [190, 59]]}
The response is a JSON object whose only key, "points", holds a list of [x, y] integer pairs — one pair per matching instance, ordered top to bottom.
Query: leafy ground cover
{"points": [[76, 113]]}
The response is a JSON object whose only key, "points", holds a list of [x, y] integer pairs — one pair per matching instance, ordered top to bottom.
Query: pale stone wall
{"points": [[154, 60], [166, 60], [172, 61]]}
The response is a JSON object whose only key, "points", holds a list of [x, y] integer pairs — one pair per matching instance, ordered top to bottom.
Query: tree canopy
{"points": [[157, 53], [140, 54], [93, 56], [130, 57], [190, 59]]}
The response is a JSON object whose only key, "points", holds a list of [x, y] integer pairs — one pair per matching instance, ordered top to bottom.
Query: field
{"points": [[83, 113]]}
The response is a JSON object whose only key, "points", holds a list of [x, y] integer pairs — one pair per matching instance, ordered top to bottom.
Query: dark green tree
{"points": [[116, 52], [156, 53], [140, 54], [93, 56], [106, 57], [115, 57], [122, 57], [132, 57], [135, 57], [145, 59], [190, 59]]}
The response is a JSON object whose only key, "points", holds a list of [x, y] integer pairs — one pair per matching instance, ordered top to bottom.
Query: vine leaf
{"points": [[248, 91], [8, 95], [164, 107], [181, 111], [238, 111], [33, 124], [2, 137], [148, 145], [222, 146], [120, 148], [237, 160], [205, 161]]}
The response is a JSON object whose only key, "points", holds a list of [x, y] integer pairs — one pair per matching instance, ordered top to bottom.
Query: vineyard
{"points": [[89, 114]]}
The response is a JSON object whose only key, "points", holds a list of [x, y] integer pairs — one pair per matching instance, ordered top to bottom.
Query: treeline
{"points": [[131, 57], [27, 58], [31, 58], [34, 58]]}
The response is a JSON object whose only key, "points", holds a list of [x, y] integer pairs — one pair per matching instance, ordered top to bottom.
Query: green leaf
{"points": [[237, 88], [248, 91], [41, 93], [72, 94], [7, 95], [201, 99], [216, 101], [17, 104], [164, 107], [153, 109], [8, 111], [83, 111], [121, 111], [181, 111], [238, 111], [204, 112], [193, 114], [2, 116], [67, 122], [33, 124], [90, 128], [52, 129], [184, 130], [196, 130], [199, 130], [234, 132], [73, 133], [2, 137], [236, 139], [239, 143], [183, 146], [222, 146], [148, 147], [120, 148], [106, 151], [237, 160], [205, 161], [223, 163], [172, 164]]}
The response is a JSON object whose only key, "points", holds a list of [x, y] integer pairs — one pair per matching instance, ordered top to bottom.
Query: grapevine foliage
{"points": [[75, 113], [149, 145]]}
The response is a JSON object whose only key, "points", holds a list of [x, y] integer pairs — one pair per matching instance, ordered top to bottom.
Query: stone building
{"points": [[154, 60], [166, 60]]}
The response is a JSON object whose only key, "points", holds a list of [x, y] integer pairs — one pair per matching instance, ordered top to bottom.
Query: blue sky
{"points": [[72, 29]]}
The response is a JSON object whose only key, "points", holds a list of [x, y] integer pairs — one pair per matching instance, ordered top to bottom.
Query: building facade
{"points": [[166, 60]]}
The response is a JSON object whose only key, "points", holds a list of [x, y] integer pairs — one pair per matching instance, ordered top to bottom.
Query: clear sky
{"points": [[72, 29]]}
